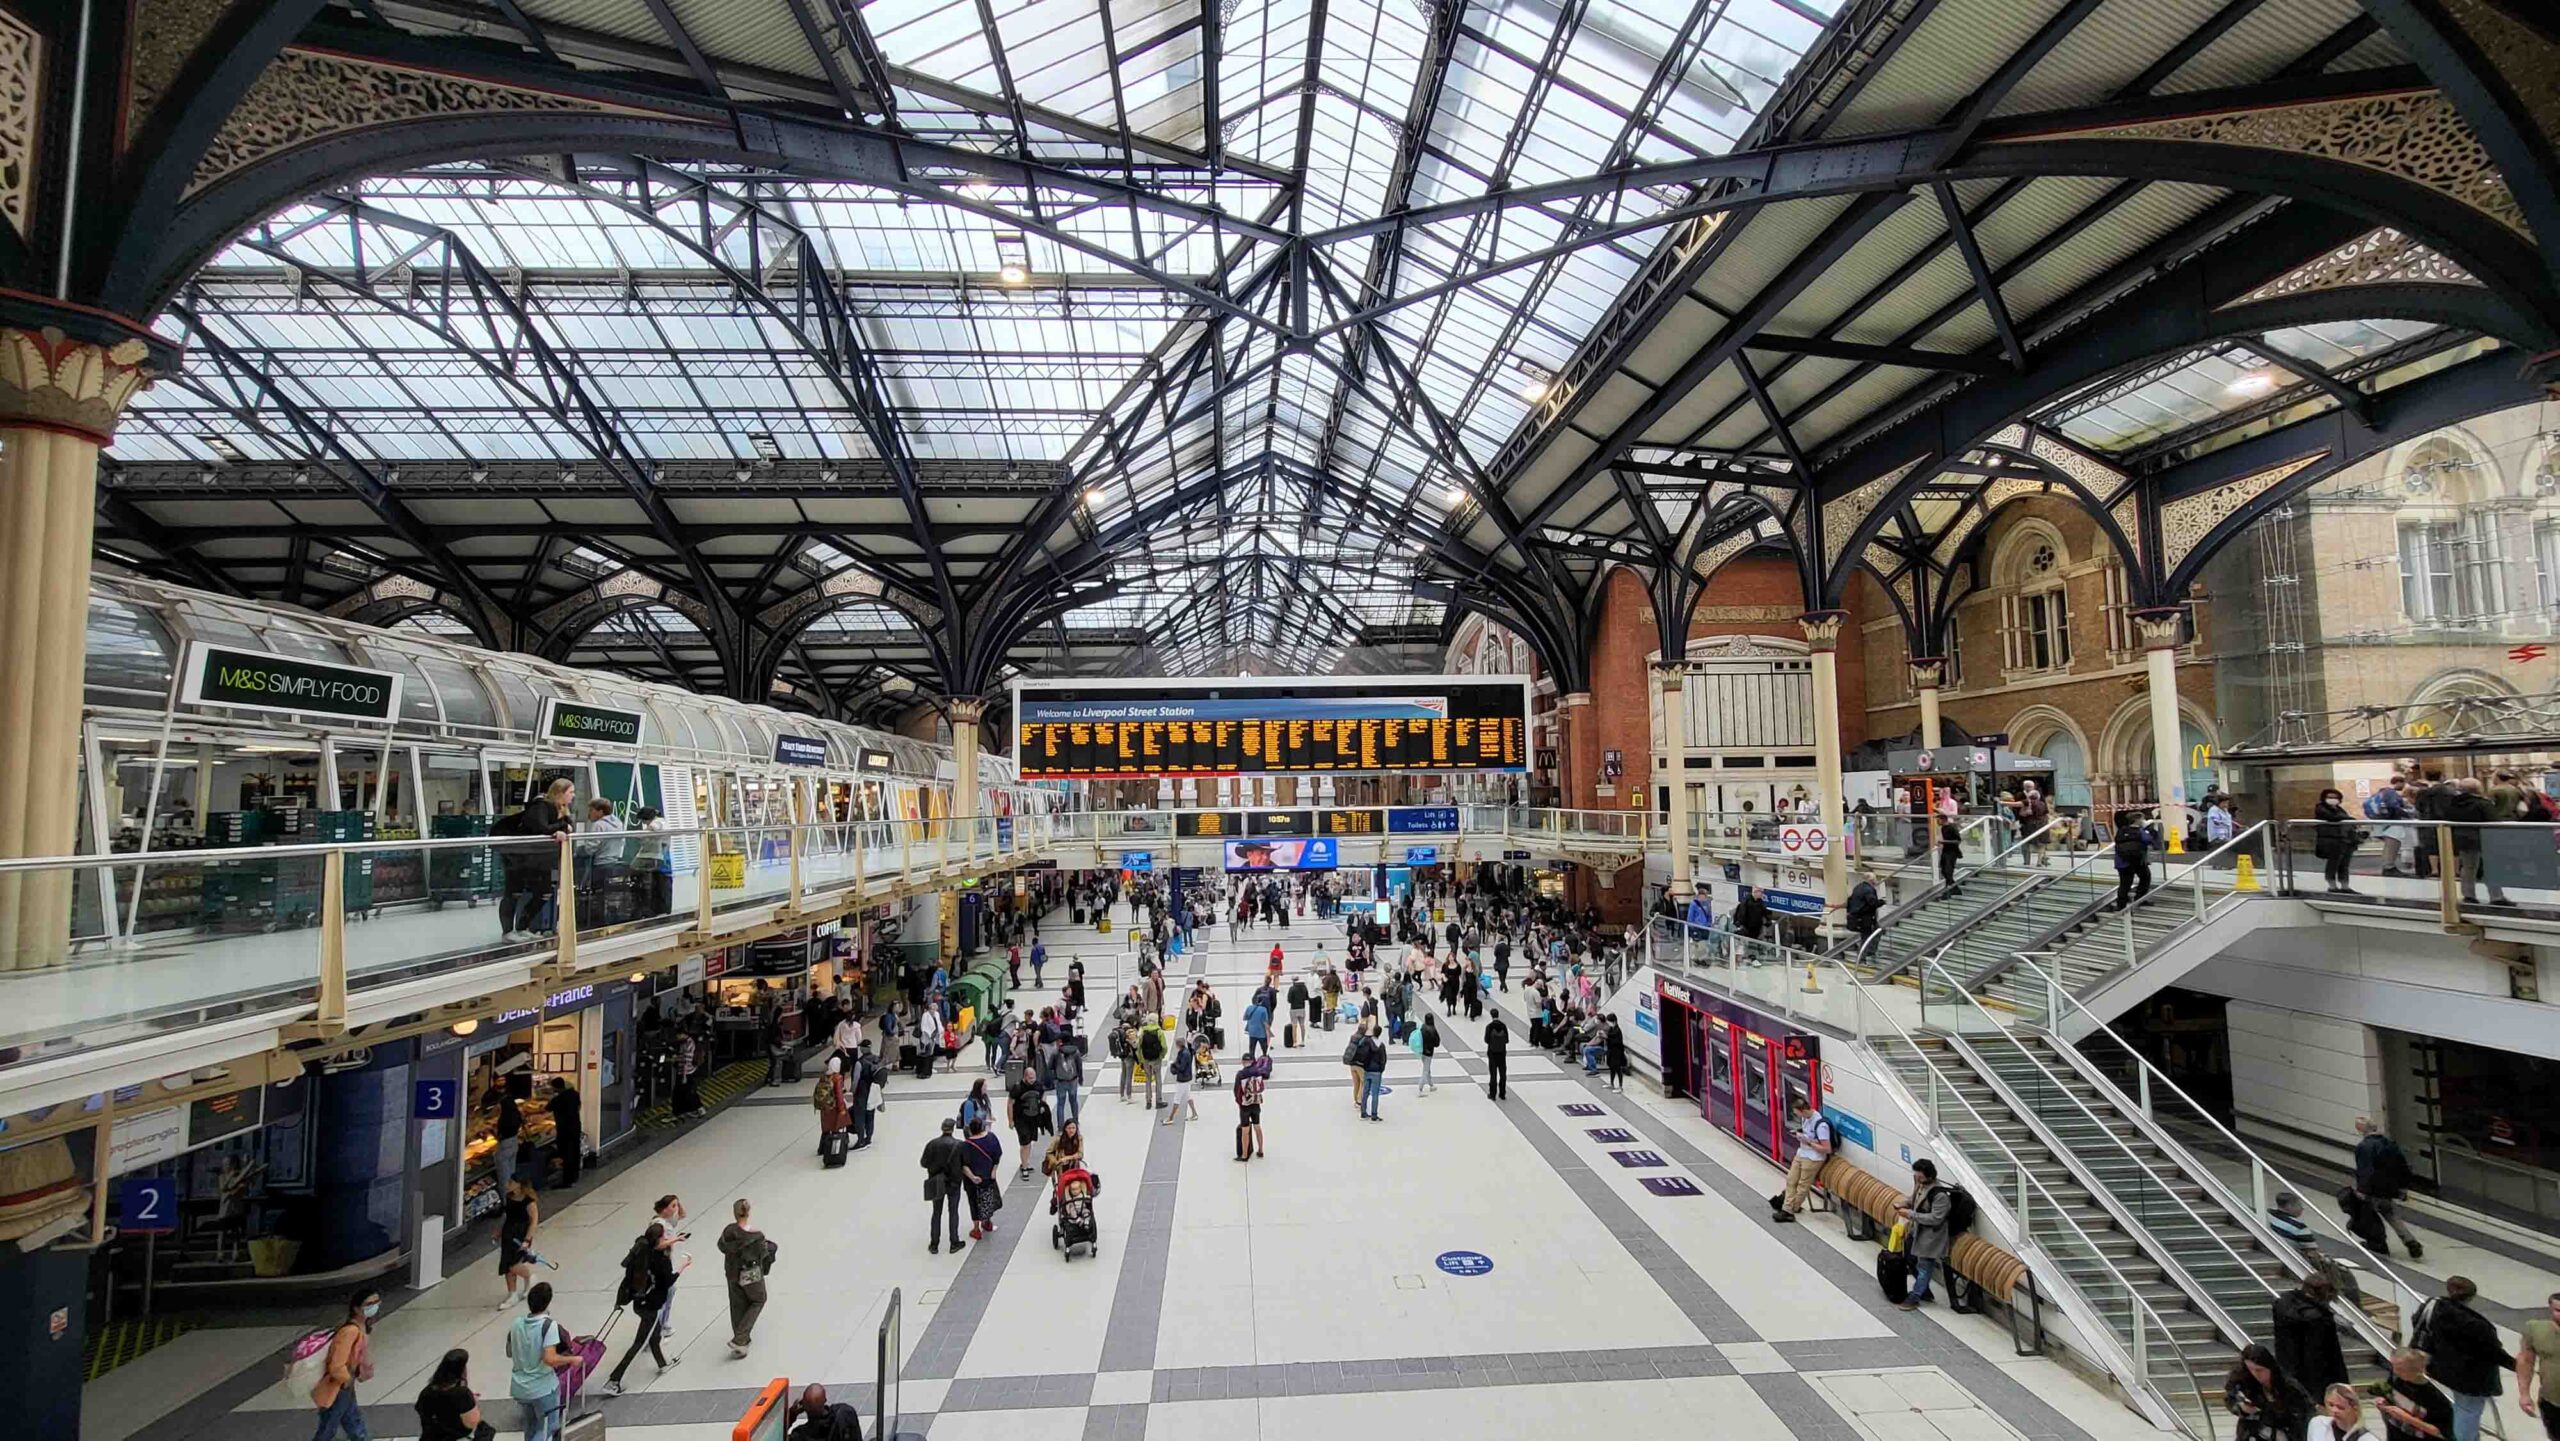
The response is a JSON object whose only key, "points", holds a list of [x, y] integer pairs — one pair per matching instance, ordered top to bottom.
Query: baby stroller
{"points": [[1072, 1203]]}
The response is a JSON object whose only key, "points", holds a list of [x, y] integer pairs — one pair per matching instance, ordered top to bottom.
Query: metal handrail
{"points": [[2194, 880], [1935, 889], [1955, 936], [2261, 1170], [2054, 1208], [2238, 1333]]}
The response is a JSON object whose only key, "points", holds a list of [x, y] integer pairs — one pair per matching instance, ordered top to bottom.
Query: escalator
{"points": [[2097, 952]]}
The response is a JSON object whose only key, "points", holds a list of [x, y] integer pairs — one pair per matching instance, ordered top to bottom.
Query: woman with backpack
{"points": [[1429, 1046], [977, 1105], [649, 1271], [537, 1347], [336, 1365]]}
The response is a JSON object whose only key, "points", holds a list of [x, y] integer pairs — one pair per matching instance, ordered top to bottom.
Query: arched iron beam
{"points": [[2490, 60], [2191, 306]]}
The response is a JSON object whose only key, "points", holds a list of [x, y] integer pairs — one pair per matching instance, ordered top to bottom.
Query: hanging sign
{"points": [[254, 680], [570, 720], [799, 750]]}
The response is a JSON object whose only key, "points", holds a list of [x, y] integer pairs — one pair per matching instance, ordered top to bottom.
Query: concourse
{"points": [[1807, 719]]}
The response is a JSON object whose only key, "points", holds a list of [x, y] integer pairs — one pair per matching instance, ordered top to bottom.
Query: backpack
{"points": [[1151, 1044], [1960, 1210], [637, 1283], [308, 1361]]}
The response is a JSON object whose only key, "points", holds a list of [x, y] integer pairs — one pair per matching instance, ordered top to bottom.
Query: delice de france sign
{"points": [[254, 680], [569, 720]]}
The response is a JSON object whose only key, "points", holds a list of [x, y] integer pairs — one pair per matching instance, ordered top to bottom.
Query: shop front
{"points": [[519, 1057]]}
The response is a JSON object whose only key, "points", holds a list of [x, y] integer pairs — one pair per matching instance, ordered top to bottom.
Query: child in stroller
{"points": [[1071, 1201]]}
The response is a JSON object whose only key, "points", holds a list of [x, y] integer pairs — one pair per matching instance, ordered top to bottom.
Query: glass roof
{"points": [[1123, 331], [2224, 380]]}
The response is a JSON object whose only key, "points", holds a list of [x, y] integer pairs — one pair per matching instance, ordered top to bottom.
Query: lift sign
{"points": [[254, 680]]}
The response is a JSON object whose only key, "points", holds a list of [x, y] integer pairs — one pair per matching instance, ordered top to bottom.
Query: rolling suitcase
{"points": [[1295, 1036], [791, 1068], [833, 1147], [1893, 1273], [589, 1427]]}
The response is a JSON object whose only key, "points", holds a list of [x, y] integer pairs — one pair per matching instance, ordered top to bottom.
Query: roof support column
{"points": [[60, 397], [2160, 636], [1822, 639], [1928, 672], [1673, 682], [967, 716]]}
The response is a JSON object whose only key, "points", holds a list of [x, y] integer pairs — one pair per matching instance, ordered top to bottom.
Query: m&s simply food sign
{"points": [[255, 680]]}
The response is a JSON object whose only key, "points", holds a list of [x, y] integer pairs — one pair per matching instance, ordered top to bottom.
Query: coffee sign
{"points": [[255, 680], [569, 720]]}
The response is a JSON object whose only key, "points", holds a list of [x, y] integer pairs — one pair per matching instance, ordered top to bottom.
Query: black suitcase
{"points": [[1295, 1036], [924, 1065], [791, 1068], [833, 1147], [1893, 1273]]}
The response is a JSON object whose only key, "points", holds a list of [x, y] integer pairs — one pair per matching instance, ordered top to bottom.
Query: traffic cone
{"points": [[2248, 880], [1812, 986]]}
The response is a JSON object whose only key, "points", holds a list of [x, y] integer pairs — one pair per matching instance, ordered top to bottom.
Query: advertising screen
{"points": [[1334, 725], [1315, 854]]}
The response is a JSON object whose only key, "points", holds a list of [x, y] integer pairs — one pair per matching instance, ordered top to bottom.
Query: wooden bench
{"points": [[1975, 1264]]}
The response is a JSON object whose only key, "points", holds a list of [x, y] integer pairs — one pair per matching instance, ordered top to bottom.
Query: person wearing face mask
{"points": [[2336, 842], [350, 1361]]}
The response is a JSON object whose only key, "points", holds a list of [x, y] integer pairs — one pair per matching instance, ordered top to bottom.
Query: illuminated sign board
{"points": [[254, 680], [570, 720], [1091, 730]]}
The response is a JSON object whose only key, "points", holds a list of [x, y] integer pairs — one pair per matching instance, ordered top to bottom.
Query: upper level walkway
{"points": [[178, 960]]}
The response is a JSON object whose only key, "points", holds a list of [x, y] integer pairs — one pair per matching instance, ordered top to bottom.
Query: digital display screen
{"points": [[1069, 730], [1317, 854]]}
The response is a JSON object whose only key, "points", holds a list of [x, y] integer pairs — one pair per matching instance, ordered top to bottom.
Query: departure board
{"points": [[1093, 730]]}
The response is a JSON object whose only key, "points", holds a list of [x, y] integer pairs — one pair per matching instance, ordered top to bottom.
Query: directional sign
{"points": [[1992, 739], [1422, 855], [1515, 855], [1137, 860], [436, 1100], [147, 1205], [1464, 1263]]}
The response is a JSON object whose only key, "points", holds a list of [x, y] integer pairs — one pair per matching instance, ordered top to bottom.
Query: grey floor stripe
{"points": [[1129, 1342], [1807, 1415], [1116, 1423]]}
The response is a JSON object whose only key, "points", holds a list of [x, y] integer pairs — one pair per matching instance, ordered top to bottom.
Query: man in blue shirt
{"points": [[1039, 958], [1257, 1028], [1814, 1141]]}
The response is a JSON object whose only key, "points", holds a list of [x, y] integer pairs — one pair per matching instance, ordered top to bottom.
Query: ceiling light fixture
{"points": [[1013, 258], [2256, 382], [1536, 383], [765, 445], [221, 446], [1093, 495]]}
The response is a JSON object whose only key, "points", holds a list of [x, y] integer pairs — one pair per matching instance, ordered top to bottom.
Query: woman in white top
{"points": [[2340, 1417]]}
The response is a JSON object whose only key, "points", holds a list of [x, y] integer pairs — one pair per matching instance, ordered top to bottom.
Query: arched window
{"points": [[2452, 558], [2035, 610]]}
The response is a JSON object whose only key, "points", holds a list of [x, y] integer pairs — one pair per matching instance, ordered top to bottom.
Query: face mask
{"points": [[372, 1309]]}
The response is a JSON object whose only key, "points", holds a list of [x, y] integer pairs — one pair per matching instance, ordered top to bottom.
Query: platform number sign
{"points": [[436, 1101], [147, 1206], [1464, 1263]]}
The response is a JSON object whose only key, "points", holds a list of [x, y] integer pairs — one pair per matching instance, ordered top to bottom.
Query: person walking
{"points": [[2389, 806], [2334, 842], [2133, 858], [1257, 1028], [1615, 1045], [1430, 1048], [1151, 1053], [1497, 1059], [1373, 1070], [1066, 1078], [1251, 1078], [865, 1079], [833, 1101], [977, 1105], [1027, 1110], [510, 1129], [1814, 1142], [982, 1157], [2382, 1176], [946, 1177], [1928, 1210], [520, 1213], [746, 1257], [649, 1272], [2304, 1333], [537, 1348], [2464, 1354], [349, 1360], [2538, 1367], [2271, 1405], [447, 1408], [2412, 1408], [2340, 1417]]}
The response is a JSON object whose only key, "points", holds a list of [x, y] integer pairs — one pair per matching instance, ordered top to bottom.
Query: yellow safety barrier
{"points": [[728, 870], [2248, 879]]}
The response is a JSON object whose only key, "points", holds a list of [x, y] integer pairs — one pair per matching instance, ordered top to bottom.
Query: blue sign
{"points": [[1423, 820], [1004, 833], [1422, 855], [1524, 855], [1137, 860], [1733, 870], [1792, 903], [1699, 916], [1645, 1021], [436, 1100], [1852, 1129], [1614, 1135], [1638, 1160], [1672, 1186], [147, 1206], [1464, 1263]]}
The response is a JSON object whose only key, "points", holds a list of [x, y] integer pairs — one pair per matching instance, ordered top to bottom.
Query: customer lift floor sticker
{"points": [[1580, 1108], [1614, 1135], [1638, 1159], [1671, 1186], [1464, 1263]]}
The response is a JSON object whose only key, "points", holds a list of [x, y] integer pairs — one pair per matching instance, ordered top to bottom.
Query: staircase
{"points": [[2097, 1253]]}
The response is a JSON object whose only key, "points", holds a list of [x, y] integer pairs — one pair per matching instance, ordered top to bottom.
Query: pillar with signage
{"points": [[2160, 637], [1822, 641], [1673, 682]]}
